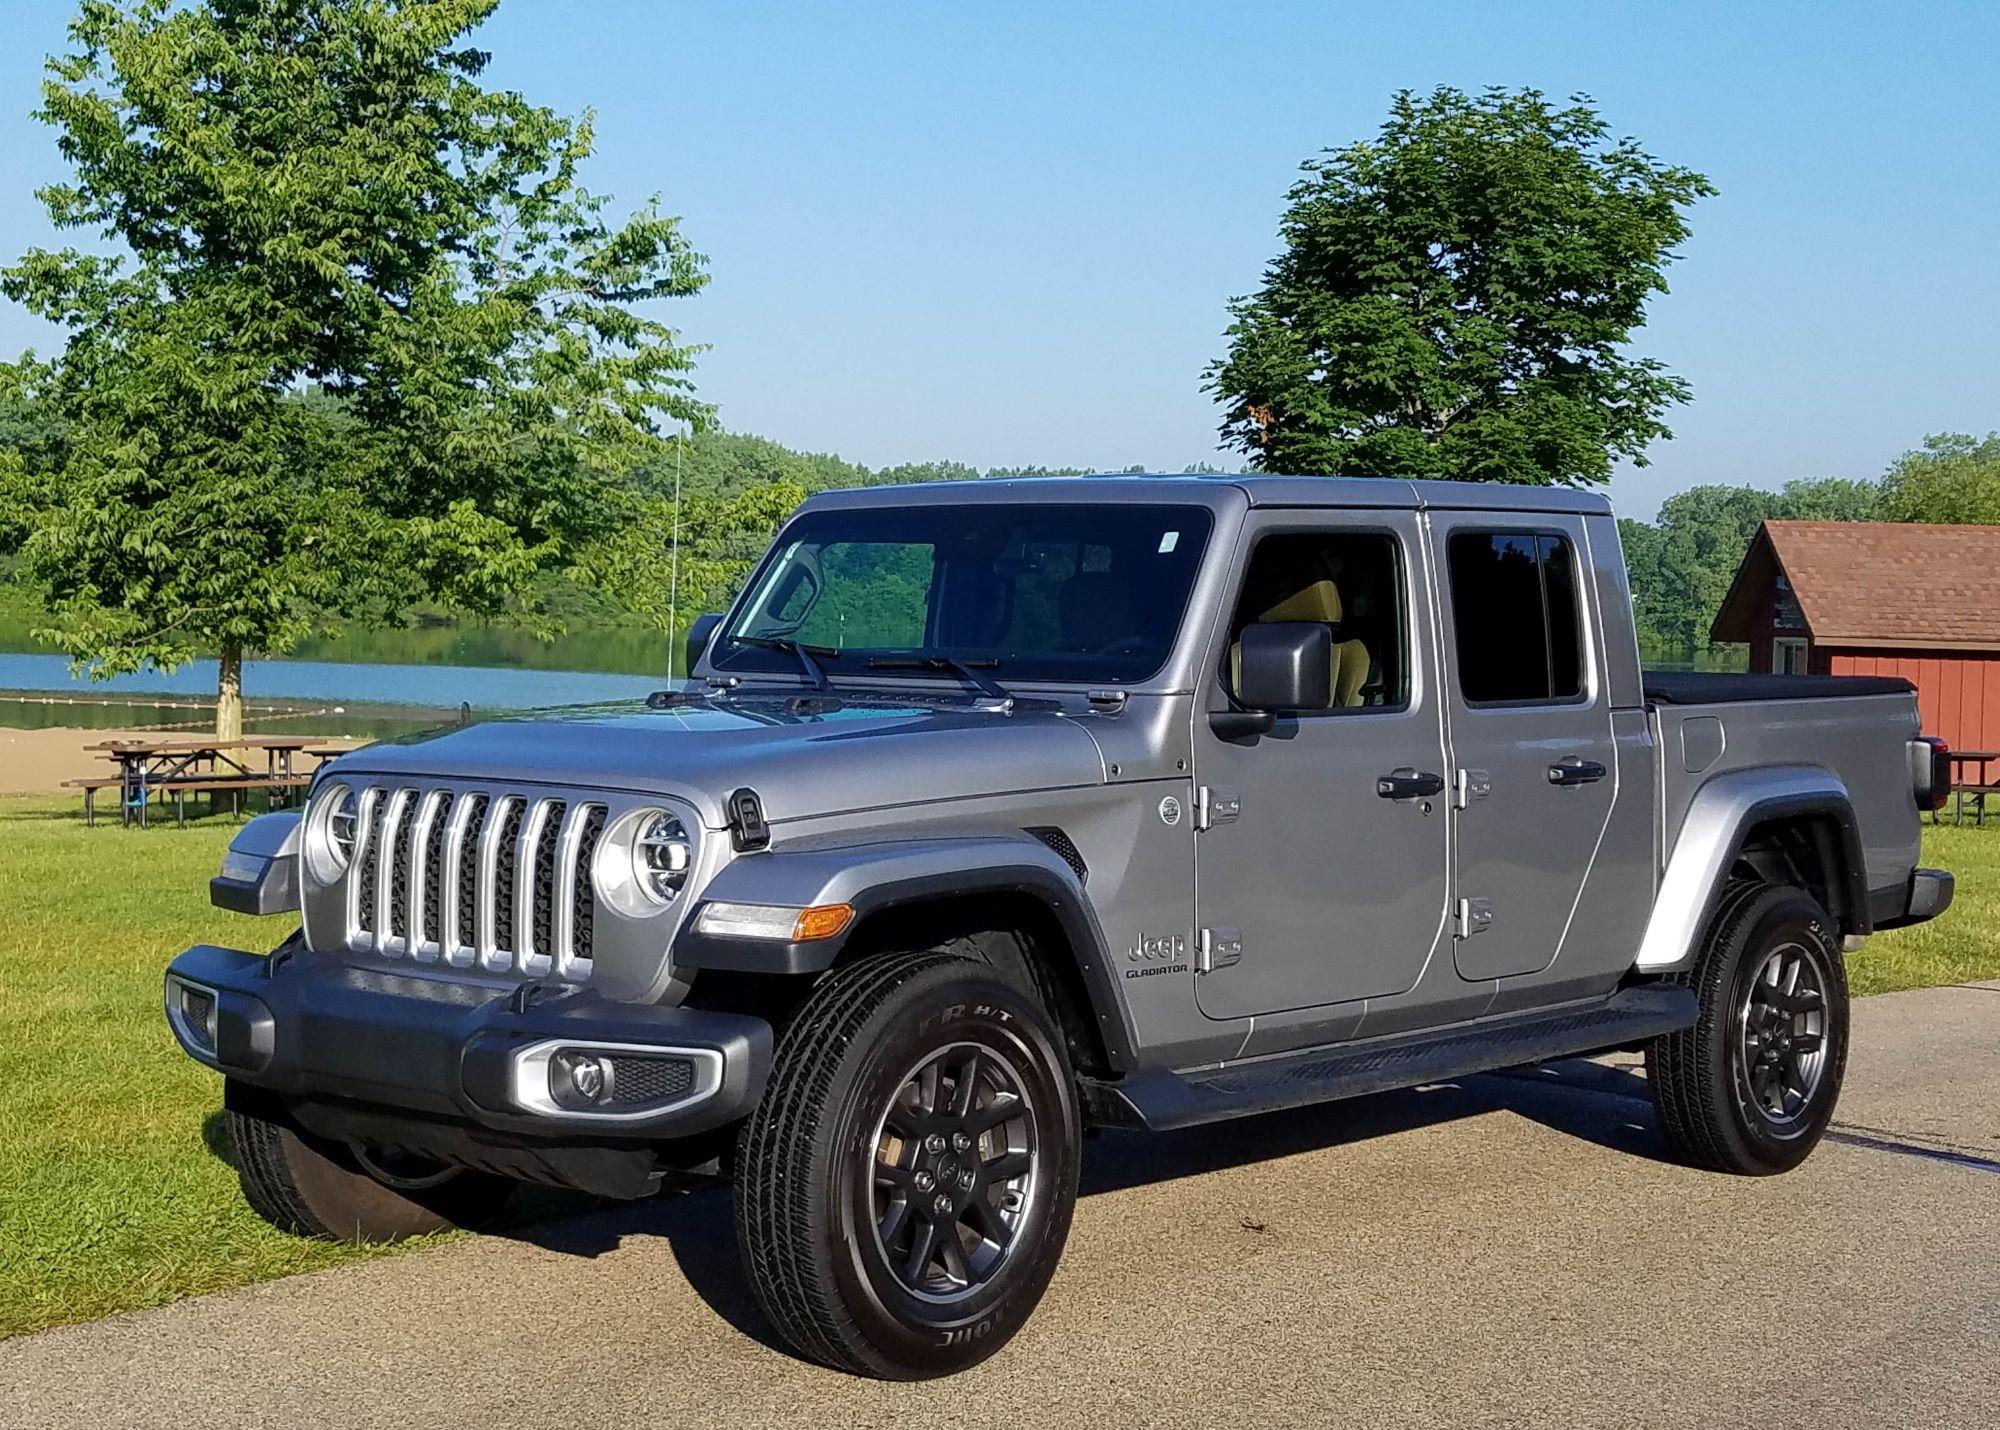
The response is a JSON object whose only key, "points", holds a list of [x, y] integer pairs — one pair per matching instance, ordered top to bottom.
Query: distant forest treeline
{"points": [[1681, 562]]}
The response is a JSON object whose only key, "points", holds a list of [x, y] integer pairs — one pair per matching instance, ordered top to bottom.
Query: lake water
{"points": [[423, 667], [442, 687]]}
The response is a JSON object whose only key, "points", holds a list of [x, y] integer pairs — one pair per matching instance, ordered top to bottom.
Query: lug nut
{"points": [[960, 1141], [934, 1144], [965, 1179], [925, 1181], [941, 1203]]}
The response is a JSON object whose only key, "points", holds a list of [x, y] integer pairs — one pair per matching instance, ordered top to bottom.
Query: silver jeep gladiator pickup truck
{"points": [[996, 811]]}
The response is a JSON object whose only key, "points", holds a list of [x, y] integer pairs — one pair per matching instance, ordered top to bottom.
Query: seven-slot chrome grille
{"points": [[495, 882]]}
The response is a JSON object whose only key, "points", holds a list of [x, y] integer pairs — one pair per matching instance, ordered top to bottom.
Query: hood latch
{"points": [[747, 829]]}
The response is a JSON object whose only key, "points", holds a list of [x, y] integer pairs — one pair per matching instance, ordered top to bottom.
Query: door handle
{"points": [[1573, 771], [1407, 783]]}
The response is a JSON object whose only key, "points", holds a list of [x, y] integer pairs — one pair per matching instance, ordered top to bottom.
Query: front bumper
{"points": [[311, 1027]]}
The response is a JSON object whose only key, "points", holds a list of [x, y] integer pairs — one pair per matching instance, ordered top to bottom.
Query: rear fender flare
{"points": [[1718, 821]]}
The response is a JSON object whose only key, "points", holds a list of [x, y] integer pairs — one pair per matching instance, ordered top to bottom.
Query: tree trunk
{"points": [[229, 695]]}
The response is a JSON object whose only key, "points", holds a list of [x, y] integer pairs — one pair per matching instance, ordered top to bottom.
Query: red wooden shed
{"points": [[1879, 598]]}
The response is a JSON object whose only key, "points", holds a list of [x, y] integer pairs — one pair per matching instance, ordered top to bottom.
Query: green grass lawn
{"points": [[1962, 945], [116, 1192]]}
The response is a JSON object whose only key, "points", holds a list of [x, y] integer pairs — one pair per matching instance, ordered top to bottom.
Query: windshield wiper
{"points": [[803, 654], [967, 670]]}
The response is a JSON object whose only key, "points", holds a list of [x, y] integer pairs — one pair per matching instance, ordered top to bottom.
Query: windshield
{"points": [[1091, 593]]}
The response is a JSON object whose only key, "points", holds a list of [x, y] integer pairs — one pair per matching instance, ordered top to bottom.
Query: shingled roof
{"points": [[1890, 585]]}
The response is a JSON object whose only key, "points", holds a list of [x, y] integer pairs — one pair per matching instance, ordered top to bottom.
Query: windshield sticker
{"points": [[1169, 542]]}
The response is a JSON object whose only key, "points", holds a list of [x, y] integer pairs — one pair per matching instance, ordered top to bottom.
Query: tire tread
{"points": [[1684, 1068], [264, 1172], [774, 1173]]}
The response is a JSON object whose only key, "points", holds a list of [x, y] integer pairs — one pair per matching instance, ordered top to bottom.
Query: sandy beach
{"points": [[38, 761]]}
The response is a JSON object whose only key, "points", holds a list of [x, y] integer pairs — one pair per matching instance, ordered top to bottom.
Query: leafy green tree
{"points": [[1454, 299], [365, 339], [33, 439], [728, 464], [907, 472], [1953, 477], [1830, 499], [1680, 574]]}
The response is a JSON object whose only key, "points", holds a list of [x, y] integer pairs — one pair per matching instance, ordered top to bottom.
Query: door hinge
{"points": [[1472, 784], [1213, 806], [1475, 916], [1217, 948]]}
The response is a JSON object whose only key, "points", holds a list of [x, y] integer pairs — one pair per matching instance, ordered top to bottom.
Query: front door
{"points": [[1535, 771], [1314, 882]]}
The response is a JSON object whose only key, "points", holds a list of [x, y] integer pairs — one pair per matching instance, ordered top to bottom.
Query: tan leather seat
{"points": [[1351, 661]]}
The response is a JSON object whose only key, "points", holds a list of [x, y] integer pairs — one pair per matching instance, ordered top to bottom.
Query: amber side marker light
{"points": [[821, 921], [784, 922]]}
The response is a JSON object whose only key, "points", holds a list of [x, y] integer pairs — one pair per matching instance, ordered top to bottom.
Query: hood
{"points": [[801, 758]]}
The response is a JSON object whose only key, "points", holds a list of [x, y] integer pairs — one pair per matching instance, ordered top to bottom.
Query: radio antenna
{"points": [[674, 555]]}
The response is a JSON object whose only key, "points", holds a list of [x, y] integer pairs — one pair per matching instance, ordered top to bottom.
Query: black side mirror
{"points": [[698, 636], [1281, 665]]}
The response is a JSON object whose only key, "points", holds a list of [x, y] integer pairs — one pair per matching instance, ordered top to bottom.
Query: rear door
{"points": [[1534, 770]]}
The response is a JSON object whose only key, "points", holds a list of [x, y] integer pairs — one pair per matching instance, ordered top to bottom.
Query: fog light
{"points": [[195, 1008], [578, 1079]]}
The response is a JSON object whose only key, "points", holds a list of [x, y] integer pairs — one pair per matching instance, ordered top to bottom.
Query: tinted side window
{"points": [[1514, 604], [1565, 620]]}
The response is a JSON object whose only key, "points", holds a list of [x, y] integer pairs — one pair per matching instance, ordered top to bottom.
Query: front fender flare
{"points": [[1719, 819], [876, 876]]}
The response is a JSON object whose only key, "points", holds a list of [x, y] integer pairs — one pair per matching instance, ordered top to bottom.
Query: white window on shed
{"points": [[1788, 655]]}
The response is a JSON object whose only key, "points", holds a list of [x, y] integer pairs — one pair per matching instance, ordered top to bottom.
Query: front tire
{"points": [[1751, 1087], [906, 1184], [310, 1187]]}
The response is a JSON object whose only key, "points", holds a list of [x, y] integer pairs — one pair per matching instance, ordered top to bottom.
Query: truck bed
{"points": [[1858, 727]]}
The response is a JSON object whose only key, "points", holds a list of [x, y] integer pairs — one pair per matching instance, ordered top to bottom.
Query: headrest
{"points": [[1317, 602]]}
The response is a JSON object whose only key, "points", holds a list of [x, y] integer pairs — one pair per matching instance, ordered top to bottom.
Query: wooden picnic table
{"points": [[186, 766], [1970, 780]]}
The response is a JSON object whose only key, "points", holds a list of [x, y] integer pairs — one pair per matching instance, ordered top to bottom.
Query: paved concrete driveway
{"points": [[1509, 1251]]}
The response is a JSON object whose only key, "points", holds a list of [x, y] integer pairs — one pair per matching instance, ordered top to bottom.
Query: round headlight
{"points": [[330, 831], [661, 857]]}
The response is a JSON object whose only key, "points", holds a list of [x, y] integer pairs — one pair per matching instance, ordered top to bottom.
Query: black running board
{"points": [[1161, 1099]]}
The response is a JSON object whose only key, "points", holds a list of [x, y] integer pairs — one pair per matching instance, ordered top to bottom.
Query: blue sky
{"points": [[1007, 234]]}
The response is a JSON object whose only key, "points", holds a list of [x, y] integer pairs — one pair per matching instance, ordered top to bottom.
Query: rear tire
{"points": [[1751, 1086], [906, 1183], [310, 1187]]}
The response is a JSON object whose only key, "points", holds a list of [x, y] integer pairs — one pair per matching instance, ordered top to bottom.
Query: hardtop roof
{"points": [[1219, 488]]}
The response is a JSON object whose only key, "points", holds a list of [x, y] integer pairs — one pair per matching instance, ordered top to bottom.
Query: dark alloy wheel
{"points": [[1781, 1034], [1752, 1086], [955, 1174], [905, 1186]]}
